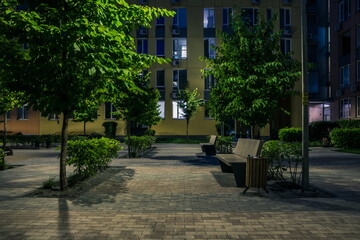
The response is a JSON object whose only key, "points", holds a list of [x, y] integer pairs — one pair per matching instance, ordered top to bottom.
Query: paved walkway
{"points": [[172, 194]]}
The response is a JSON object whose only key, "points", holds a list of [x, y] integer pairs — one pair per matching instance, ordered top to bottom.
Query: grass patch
{"points": [[181, 140], [350, 150]]}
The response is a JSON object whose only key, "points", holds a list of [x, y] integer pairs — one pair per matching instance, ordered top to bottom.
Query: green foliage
{"points": [[252, 74], [190, 103], [349, 123], [110, 129], [321, 129], [150, 132], [290, 135], [346, 138], [139, 144], [224, 144], [89, 156], [283, 158], [2, 159], [50, 183]]}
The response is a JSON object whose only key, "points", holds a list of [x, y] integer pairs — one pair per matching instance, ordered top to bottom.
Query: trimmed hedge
{"points": [[349, 123], [321, 129], [290, 135], [346, 138], [139, 144], [89, 156]]}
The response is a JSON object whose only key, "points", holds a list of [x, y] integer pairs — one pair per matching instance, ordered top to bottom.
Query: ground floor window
{"points": [[161, 108], [345, 108], [109, 111], [177, 112], [23, 113]]}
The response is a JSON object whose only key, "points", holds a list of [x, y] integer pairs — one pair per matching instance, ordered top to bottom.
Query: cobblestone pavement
{"points": [[172, 194]]}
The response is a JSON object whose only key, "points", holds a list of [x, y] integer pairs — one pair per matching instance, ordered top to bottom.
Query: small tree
{"points": [[253, 75], [190, 104], [141, 106], [87, 115]]}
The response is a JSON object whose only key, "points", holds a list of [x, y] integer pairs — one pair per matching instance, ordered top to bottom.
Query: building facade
{"points": [[185, 38], [345, 59]]}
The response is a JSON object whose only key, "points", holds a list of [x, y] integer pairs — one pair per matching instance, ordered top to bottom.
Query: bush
{"points": [[349, 123], [321, 129], [150, 132], [290, 135], [346, 138], [139, 144], [224, 144], [89, 156], [283, 158], [2, 159]]}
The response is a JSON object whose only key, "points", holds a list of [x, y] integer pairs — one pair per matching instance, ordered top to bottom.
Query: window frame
{"points": [[229, 12], [206, 15], [287, 16], [177, 23], [286, 40], [144, 42], [163, 46], [176, 46], [209, 51], [342, 72], [177, 87], [175, 106], [161, 108], [113, 109], [345, 112], [23, 113]]}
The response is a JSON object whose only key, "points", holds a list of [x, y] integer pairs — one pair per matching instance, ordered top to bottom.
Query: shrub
{"points": [[348, 123], [321, 129], [150, 132], [290, 135], [346, 138], [139, 144], [224, 144], [89, 156], [283, 158], [2, 159]]}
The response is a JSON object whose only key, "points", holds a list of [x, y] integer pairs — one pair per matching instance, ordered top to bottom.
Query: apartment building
{"points": [[185, 38], [345, 59]]}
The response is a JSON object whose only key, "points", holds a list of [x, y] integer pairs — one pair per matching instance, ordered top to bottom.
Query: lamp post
{"points": [[305, 99]]}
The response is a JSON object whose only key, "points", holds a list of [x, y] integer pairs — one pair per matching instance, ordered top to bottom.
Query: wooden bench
{"points": [[209, 148], [236, 162]]}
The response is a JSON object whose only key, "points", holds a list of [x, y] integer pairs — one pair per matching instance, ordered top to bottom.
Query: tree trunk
{"points": [[222, 128], [187, 130], [5, 131], [252, 131], [128, 133], [63, 152]]}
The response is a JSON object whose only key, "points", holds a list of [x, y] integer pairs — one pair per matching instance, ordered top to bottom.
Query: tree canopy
{"points": [[80, 53], [252, 74]]}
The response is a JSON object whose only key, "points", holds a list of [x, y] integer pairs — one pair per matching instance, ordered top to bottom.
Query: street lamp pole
{"points": [[305, 99]]}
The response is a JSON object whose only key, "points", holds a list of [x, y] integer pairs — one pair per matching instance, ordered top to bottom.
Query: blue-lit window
{"points": [[227, 12], [209, 18], [179, 20], [160, 21], [142, 45], [160, 47], [179, 48], [209, 48], [345, 76]]}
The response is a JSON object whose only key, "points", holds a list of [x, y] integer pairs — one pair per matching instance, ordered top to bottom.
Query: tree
{"points": [[81, 52], [253, 75], [190, 104], [141, 107], [86, 115]]}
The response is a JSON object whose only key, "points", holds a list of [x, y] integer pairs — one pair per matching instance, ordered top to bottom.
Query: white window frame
{"points": [[287, 15], [209, 18], [144, 42], [287, 46], [210, 50], [179, 51], [345, 79], [176, 82], [357, 106], [161, 108], [345, 108], [177, 112], [24, 113], [112, 117]]}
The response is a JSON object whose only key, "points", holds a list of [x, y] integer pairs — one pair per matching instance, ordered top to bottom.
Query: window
{"points": [[358, 5], [344, 10], [227, 12], [269, 14], [250, 15], [209, 18], [285, 18], [179, 20], [160, 21], [358, 35], [142, 45], [285, 45], [160, 47], [179, 48], [209, 50], [358, 71], [345, 76], [160, 78], [179, 79], [209, 82], [358, 106], [161, 107], [345, 108], [109, 111], [23, 113], [178, 113], [207, 113], [8, 115], [53, 116]]}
